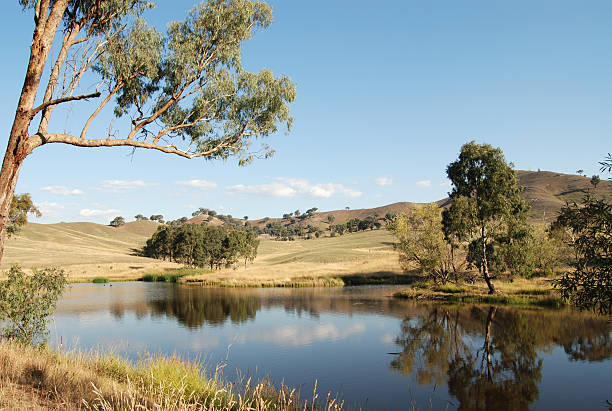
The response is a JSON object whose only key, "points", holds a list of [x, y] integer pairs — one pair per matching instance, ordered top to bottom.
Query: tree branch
{"points": [[43, 106]]}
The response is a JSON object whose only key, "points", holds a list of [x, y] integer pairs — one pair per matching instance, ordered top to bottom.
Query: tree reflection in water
{"points": [[195, 306], [488, 356]]}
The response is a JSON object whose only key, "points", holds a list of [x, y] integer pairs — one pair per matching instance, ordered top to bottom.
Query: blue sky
{"points": [[388, 92]]}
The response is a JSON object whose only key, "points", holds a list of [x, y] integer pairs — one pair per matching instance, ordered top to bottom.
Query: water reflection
{"points": [[194, 307], [488, 356], [467, 357]]}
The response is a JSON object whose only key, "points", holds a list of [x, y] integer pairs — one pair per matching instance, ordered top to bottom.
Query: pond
{"points": [[358, 343]]}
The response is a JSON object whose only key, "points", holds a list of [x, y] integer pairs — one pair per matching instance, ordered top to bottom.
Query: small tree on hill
{"points": [[21, 206], [486, 207], [140, 217], [157, 217], [117, 222]]}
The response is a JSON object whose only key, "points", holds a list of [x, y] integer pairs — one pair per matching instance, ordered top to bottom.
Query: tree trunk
{"points": [[47, 22], [8, 180], [485, 264]]}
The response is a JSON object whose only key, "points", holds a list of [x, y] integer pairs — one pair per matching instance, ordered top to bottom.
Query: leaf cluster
{"points": [[189, 82], [21, 206], [421, 244], [589, 285], [26, 301]]}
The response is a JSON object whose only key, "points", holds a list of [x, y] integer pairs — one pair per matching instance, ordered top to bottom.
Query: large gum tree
{"points": [[181, 92], [486, 209]]}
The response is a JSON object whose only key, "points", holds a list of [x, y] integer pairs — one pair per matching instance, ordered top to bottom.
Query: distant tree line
{"points": [[354, 225], [199, 245]]}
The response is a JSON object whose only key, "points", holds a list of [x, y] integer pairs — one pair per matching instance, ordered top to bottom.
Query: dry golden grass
{"points": [[85, 250], [363, 257], [38, 379]]}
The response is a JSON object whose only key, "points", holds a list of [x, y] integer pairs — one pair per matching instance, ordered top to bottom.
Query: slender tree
{"points": [[182, 92], [486, 206]]}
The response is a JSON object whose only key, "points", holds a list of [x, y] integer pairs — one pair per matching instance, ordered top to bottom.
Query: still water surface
{"points": [[374, 351]]}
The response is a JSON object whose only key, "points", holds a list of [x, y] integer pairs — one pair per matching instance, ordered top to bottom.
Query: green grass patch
{"points": [[172, 276], [161, 278], [100, 280], [450, 289], [474, 298]]}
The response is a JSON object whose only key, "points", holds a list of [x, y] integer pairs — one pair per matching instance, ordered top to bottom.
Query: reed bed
{"points": [[39, 378]]}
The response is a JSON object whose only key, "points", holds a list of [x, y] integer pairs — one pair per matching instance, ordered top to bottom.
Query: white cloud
{"points": [[384, 181], [424, 183], [203, 184], [446, 184], [119, 185], [291, 187], [62, 191], [49, 208], [86, 212], [297, 336]]}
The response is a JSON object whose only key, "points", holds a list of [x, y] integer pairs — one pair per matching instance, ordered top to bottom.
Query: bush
{"points": [[589, 232], [100, 280], [27, 300]]}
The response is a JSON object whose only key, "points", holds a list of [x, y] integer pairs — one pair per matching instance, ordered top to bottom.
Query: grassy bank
{"points": [[534, 291], [43, 379]]}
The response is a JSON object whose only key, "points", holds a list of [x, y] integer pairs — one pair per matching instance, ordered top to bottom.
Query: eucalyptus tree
{"points": [[182, 92], [486, 207]]}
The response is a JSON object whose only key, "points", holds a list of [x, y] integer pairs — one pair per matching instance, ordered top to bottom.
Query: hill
{"points": [[546, 191], [85, 250]]}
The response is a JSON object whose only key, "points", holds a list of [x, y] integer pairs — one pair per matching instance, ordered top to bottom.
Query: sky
{"points": [[387, 92]]}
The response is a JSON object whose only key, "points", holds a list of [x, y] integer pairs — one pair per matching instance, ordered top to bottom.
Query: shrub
{"points": [[100, 280], [27, 300]]}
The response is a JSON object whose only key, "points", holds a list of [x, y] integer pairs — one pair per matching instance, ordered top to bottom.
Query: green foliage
{"points": [[199, 57], [21, 206], [486, 210], [140, 217], [157, 217], [117, 222], [589, 225], [421, 243], [201, 245], [161, 278], [100, 280], [27, 300]]}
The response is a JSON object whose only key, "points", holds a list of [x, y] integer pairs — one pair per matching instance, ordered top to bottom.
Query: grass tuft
{"points": [[44, 379]]}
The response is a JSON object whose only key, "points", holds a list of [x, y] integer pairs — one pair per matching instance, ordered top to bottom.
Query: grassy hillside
{"points": [[546, 192], [85, 250], [349, 259]]}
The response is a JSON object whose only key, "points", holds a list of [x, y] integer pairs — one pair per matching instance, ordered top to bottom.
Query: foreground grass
{"points": [[534, 291], [43, 379]]}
